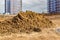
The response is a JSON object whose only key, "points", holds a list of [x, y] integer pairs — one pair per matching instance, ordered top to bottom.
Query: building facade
{"points": [[7, 6], [13, 6], [53, 6]]}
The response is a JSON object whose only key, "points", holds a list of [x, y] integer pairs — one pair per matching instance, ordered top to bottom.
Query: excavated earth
{"points": [[25, 22]]}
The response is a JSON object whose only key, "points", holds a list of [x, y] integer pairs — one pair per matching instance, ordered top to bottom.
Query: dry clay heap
{"points": [[25, 22]]}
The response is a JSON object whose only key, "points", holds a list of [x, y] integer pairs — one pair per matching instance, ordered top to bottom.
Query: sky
{"points": [[36, 5], [1, 6]]}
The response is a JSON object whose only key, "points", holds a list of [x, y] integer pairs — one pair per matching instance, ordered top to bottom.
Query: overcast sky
{"points": [[34, 5], [1, 6]]}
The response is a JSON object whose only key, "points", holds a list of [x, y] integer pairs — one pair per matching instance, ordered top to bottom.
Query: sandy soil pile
{"points": [[25, 22]]}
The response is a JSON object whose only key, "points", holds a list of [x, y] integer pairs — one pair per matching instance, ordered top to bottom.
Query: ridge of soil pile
{"points": [[25, 22]]}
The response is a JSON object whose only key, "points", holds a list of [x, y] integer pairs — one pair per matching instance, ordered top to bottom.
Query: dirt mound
{"points": [[25, 22]]}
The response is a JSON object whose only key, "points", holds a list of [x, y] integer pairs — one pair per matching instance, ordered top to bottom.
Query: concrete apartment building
{"points": [[7, 6], [13, 6], [53, 6]]}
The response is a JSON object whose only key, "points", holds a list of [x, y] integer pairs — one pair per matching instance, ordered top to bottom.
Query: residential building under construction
{"points": [[13, 6], [53, 6]]}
